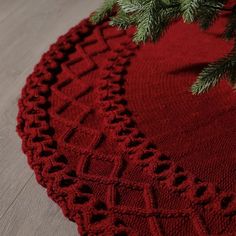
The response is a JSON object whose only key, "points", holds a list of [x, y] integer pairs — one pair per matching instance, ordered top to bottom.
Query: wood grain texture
{"points": [[27, 28]]}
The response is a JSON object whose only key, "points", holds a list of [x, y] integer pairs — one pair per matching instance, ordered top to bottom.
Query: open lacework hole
{"points": [[118, 81], [119, 91], [107, 98], [121, 101], [45, 105], [111, 108], [125, 112], [117, 120], [35, 125], [50, 131], [37, 139], [134, 143], [52, 144], [46, 153], [146, 155], [61, 159], [162, 168], [55, 169], [72, 173], [179, 180], [66, 182], [85, 189], [200, 191], [81, 199], [226, 201], [100, 206], [97, 218], [119, 222]]}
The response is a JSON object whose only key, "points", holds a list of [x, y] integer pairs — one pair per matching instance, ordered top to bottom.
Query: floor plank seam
{"points": [[4, 213]]}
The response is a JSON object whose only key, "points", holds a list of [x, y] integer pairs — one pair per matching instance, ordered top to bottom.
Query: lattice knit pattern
{"points": [[86, 147]]}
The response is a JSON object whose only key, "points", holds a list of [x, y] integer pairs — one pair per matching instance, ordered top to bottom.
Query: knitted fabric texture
{"points": [[114, 134]]}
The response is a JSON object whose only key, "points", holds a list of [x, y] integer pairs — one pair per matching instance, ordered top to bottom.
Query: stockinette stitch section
{"points": [[112, 132]]}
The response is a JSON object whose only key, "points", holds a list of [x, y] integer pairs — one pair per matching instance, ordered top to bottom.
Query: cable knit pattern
{"points": [[86, 147]]}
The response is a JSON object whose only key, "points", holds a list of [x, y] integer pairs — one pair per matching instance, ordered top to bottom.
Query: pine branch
{"points": [[130, 6], [190, 9], [103, 11], [204, 11], [207, 15], [153, 17], [147, 19], [164, 19], [123, 20], [154, 20], [230, 29], [214, 72]]}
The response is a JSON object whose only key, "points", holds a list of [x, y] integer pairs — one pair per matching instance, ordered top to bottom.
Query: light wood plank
{"points": [[27, 28], [33, 214]]}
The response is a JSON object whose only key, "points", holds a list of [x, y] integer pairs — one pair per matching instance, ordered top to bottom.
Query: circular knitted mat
{"points": [[122, 146]]}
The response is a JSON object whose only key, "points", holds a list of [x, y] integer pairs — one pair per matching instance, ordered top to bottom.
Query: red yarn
{"points": [[97, 114]]}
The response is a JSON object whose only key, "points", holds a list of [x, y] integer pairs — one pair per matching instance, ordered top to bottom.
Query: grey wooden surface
{"points": [[27, 28]]}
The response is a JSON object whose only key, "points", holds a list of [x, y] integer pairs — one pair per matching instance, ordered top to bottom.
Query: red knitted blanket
{"points": [[113, 133]]}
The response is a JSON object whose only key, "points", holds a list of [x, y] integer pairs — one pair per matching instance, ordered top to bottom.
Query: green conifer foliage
{"points": [[153, 17]]}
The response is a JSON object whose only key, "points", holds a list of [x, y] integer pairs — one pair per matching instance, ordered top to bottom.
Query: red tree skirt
{"points": [[113, 133]]}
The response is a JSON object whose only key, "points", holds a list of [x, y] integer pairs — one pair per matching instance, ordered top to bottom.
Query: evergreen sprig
{"points": [[103, 11], [153, 17], [214, 72]]}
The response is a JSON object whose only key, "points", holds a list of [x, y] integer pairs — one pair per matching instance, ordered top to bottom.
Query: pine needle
{"points": [[103, 11], [214, 72]]}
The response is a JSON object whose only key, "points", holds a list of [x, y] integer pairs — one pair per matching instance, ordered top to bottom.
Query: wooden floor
{"points": [[27, 28]]}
